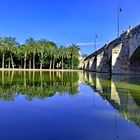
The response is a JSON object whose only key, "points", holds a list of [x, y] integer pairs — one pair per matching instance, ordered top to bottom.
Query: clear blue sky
{"points": [[66, 21]]}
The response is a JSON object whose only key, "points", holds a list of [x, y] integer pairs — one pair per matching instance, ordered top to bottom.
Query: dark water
{"points": [[69, 106]]}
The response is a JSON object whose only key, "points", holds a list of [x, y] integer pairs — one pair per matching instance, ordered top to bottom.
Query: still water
{"points": [[69, 106]]}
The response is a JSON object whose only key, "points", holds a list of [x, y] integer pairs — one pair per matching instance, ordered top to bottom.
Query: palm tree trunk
{"points": [[3, 56], [33, 60], [41, 60], [12, 61], [25, 61], [62, 61], [30, 62], [71, 62], [20, 63], [53, 63], [9, 64], [41, 65]]}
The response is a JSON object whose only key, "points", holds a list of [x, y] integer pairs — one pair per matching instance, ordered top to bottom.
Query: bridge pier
{"points": [[99, 61], [85, 65], [93, 66]]}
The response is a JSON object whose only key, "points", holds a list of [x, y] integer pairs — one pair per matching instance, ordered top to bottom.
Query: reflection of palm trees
{"points": [[9, 75], [12, 75], [29, 75], [2, 78], [25, 78], [33, 79], [41, 79], [37, 84]]}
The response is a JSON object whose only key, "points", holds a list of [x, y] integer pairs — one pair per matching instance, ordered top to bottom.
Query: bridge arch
{"points": [[134, 42], [135, 61]]}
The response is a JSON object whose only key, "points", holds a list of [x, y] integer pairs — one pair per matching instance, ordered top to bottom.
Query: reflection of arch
{"points": [[135, 61], [110, 64]]}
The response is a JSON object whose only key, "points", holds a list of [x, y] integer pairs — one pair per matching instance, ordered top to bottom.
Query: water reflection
{"points": [[37, 84], [122, 92], [103, 107]]}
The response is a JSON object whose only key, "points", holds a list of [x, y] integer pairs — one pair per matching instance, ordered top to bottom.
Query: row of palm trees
{"points": [[37, 54]]}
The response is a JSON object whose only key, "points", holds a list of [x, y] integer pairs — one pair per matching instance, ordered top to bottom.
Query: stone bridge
{"points": [[121, 56]]}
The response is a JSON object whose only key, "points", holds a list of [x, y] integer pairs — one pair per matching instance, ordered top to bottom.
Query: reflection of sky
{"points": [[68, 21], [85, 117]]}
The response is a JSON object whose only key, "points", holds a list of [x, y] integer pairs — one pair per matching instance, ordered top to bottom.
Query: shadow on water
{"points": [[37, 84], [121, 91]]}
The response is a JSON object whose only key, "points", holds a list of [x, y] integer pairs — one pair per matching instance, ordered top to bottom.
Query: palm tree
{"points": [[31, 43], [11, 45], [3, 50], [42, 50], [45, 51], [52, 51], [24, 52], [74, 52], [64, 53], [19, 55], [51, 55], [30, 56], [54, 56]]}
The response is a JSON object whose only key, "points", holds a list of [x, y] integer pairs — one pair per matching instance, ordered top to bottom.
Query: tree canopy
{"points": [[35, 54]]}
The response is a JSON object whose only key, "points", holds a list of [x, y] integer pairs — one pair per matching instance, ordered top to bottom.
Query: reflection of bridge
{"points": [[121, 56], [119, 94]]}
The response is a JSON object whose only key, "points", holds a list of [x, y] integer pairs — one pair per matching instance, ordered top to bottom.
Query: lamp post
{"points": [[119, 10], [95, 42]]}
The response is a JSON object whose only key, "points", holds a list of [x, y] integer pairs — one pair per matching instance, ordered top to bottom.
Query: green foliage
{"points": [[37, 54], [75, 63]]}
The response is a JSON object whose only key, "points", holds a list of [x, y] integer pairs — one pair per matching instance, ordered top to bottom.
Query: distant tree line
{"points": [[37, 54]]}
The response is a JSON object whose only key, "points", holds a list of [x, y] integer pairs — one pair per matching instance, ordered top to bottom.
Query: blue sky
{"points": [[66, 21]]}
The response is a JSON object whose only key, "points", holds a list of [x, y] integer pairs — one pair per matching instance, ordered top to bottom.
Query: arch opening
{"points": [[135, 61]]}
